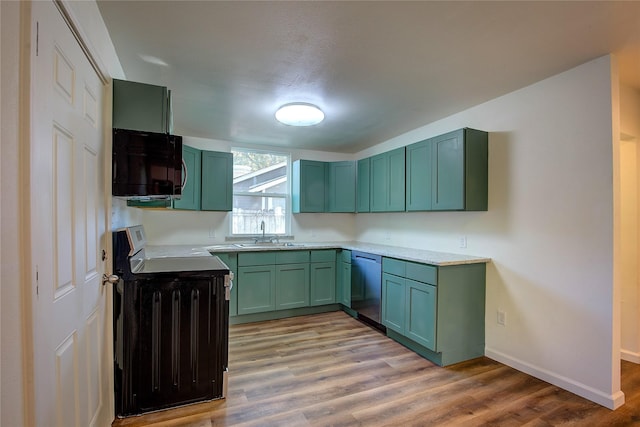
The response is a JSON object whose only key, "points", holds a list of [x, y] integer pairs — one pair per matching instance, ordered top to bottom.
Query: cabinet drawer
{"points": [[328, 255], [345, 256], [292, 257], [256, 258], [394, 266], [422, 273]]}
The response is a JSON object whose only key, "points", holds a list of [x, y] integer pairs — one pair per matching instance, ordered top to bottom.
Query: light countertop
{"points": [[407, 254]]}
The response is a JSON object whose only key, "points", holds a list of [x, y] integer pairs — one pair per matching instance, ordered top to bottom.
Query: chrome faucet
{"points": [[264, 238]]}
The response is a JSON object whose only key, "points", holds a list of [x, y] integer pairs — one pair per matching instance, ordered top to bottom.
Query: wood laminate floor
{"points": [[331, 370]]}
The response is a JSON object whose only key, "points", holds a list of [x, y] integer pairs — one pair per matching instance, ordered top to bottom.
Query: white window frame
{"points": [[286, 196]]}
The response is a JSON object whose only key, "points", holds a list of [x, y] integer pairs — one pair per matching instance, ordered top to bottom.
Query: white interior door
{"points": [[71, 326]]}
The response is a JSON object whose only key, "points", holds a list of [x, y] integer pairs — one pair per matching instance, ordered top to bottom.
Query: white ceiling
{"points": [[377, 69]]}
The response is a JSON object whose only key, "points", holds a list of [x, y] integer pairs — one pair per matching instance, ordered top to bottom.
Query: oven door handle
{"points": [[228, 285]]}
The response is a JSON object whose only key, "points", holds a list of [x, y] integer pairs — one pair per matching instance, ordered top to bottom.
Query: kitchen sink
{"points": [[260, 245], [267, 245]]}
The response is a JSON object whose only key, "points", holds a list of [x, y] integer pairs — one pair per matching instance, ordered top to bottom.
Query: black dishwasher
{"points": [[366, 287], [171, 322]]}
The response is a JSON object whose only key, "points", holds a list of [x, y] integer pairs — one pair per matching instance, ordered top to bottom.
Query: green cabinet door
{"points": [[140, 106], [448, 172], [418, 176], [191, 179], [459, 179], [217, 181], [379, 184], [362, 185], [308, 186], [342, 187], [387, 192], [396, 197], [323, 283], [292, 286], [256, 287], [344, 297], [393, 302], [420, 313]]}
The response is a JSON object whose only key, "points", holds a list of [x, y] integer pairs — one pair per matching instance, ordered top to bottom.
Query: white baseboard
{"points": [[630, 356], [611, 401]]}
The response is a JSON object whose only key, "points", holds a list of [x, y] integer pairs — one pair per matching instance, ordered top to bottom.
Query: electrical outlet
{"points": [[463, 241], [501, 318]]}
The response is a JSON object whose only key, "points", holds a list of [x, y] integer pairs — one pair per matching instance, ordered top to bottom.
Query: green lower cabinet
{"points": [[323, 283], [344, 284], [292, 286], [256, 289], [393, 302], [438, 312], [420, 313]]}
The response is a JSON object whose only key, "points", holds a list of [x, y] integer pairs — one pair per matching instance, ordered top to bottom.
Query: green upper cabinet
{"points": [[140, 106], [448, 172], [460, 175], [191, 178], [217, 181], [388, 181], [418, 183], [208, 185], [362, 185], [323, 186], [342, 187], [309, 191]]}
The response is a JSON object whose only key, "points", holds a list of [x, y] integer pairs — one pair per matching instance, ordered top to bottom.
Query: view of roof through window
{"points": [[260, 192]]}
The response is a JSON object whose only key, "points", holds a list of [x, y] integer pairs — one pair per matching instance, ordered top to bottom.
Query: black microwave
{"points": [[146, 164]]}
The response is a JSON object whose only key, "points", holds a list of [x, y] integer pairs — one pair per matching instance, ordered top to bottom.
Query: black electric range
{"points": [[171, 327]]}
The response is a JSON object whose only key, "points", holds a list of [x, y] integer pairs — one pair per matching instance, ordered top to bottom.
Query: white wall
{"points": [[629, 188], [207, 228], [548, 229], [11, 277]]}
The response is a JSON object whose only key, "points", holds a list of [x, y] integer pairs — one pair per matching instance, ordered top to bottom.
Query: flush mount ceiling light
{"points": [[299, 114]]}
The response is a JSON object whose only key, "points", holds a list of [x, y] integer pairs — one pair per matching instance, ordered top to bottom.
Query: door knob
{"points": [[111, 278]]}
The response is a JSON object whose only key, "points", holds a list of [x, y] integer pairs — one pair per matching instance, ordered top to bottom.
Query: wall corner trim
{"points": [[610, 401]]}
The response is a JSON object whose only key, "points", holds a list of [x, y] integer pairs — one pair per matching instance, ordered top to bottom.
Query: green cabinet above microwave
{"points": [[141, 106]]}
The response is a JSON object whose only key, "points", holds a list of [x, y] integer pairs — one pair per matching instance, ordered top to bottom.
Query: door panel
{"points": [[448, 172], [68, 227], [292, 286], [256, 289], [393, 302], [421, 313]]}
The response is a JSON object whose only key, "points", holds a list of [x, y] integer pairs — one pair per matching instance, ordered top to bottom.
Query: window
{"points": [[260, 192]]}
